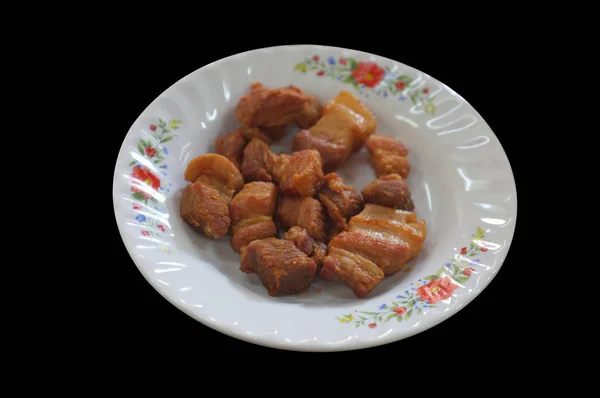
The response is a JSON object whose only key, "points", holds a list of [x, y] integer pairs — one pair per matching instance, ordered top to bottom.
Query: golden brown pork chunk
{"points": [[266, 107], [343, 128], [360, 135], [232, 147], [388, 156], [258, 161], [299, 174], [389, 190], [340, 200], [205, 201], [205, 209], [305, 212], [252, 213], [391, 224], [303, 241], [378, 243], [342, 263], [279, 264]]}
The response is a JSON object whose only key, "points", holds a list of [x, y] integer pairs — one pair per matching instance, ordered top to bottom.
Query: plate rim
{"points": [[438, 319]]}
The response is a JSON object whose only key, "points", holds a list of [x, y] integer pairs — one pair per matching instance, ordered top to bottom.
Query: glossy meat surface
{"points": [[389, 190], [252, 212], [378, 243], [279, 264]]}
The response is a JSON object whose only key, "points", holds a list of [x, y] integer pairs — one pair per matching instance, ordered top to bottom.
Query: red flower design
{"points": [[315, 58], [343, 60], [320, 73], [368, 74], [400, 85], [425, 90], [152, 127], [150, 151], [143, 175], [137, 206], [162, 228], [145, 233], [484, 249], [463, 251], [468, 271], [437, 290], [400, 311], [372, 325]]}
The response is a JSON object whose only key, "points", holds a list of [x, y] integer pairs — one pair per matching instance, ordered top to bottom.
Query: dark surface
{"points": [[139, 320]]}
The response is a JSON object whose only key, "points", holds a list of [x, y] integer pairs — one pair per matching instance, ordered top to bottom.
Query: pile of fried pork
{"points": [[326, 228]]}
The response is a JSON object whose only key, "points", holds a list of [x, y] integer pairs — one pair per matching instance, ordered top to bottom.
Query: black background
{"points": [[139, 321]]}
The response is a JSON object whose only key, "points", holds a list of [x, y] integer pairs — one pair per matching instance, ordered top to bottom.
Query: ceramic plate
{"points": [[461, 182]]}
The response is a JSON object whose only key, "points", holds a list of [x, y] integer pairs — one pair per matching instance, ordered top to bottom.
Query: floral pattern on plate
{"points": [[370, 78], [148, 182], [427, 292]]}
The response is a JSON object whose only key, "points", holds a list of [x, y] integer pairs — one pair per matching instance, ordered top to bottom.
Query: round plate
{"points": [[461, 182]]}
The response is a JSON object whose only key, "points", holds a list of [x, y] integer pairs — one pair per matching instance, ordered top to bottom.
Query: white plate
{"points": [[461, 183]]}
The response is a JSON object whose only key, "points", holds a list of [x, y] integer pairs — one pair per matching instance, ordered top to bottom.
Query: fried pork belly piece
{"points": [[347, 99], [266, 107], [343, 128], [266, 134], [232, 147], [388, 156], [258, 161], [299, 174], [389, 190], [340, 200], [205, 201], [205, 209], [252, 212], [305, 212], [391, 224], [378, 243], [307, 244], [279, 264], [356, 271]]}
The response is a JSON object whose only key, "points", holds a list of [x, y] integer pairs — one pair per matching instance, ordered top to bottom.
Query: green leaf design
{"points": [[353, 63], [348, 79], [355, 84], [413, 99], [166, 139], [144, 143], [140, 148], [156, 161], [132, 163], [138, 196], [472, 254], [431, 277], [461, 279], [408, 314], [390, 316], [399, 318]]}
